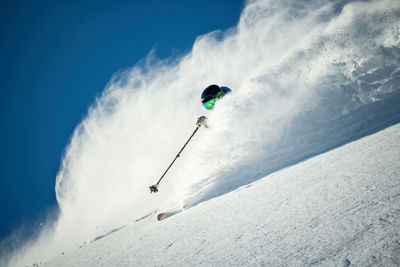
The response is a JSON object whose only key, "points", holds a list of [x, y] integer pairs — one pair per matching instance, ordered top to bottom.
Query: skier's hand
{"points": [[202, 121]]}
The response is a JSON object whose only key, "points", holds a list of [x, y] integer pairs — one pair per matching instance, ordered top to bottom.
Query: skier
{"points": [[213, 93], [209, 97]]}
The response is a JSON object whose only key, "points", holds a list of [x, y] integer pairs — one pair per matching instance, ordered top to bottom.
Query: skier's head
{"points": [[213, 93]]}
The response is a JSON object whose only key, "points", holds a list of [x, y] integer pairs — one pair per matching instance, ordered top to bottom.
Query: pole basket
{"points": [[154, 188]]}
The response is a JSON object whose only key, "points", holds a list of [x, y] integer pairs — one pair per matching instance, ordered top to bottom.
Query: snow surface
{"points": [[306, 77], [339, 208]]}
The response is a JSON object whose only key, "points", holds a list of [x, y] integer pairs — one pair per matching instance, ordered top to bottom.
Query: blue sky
{"points": [[56, 57]]}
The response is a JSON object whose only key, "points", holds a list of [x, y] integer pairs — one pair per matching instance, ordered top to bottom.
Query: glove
{"points": [[202, 121]]}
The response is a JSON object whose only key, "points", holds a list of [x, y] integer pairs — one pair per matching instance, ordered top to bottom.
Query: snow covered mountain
{"points": [[307, 77], [340, 208]]}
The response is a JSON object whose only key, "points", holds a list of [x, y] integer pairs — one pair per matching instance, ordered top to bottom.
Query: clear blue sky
{"points": [[56, 56]]}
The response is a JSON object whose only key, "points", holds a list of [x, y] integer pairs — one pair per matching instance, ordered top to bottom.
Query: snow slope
{"points": [[307, 77], [341, 208]]}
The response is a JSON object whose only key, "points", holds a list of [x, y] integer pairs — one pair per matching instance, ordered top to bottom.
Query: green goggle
{"points": [[209, 104]]}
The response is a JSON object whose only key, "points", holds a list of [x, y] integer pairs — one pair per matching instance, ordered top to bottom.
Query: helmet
{"points": [[213, 93]]}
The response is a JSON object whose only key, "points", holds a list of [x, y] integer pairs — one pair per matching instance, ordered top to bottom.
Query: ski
{"points": [[164, 215]]}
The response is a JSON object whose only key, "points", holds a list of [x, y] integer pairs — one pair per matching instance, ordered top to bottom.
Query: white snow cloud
{"points": [[305, 78]]}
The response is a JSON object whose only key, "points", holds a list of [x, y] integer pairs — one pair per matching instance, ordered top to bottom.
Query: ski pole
{"points": [[200, 122]]}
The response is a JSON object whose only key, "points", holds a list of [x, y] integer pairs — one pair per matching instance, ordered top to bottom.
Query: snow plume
{"points": [[306, 77]]}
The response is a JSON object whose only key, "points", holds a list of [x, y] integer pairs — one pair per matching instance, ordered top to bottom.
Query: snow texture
{"points": [[306, 77], [341, 208]]}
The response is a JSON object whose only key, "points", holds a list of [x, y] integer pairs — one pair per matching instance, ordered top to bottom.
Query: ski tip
{"points": [[165, 215], [161, 216]]}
